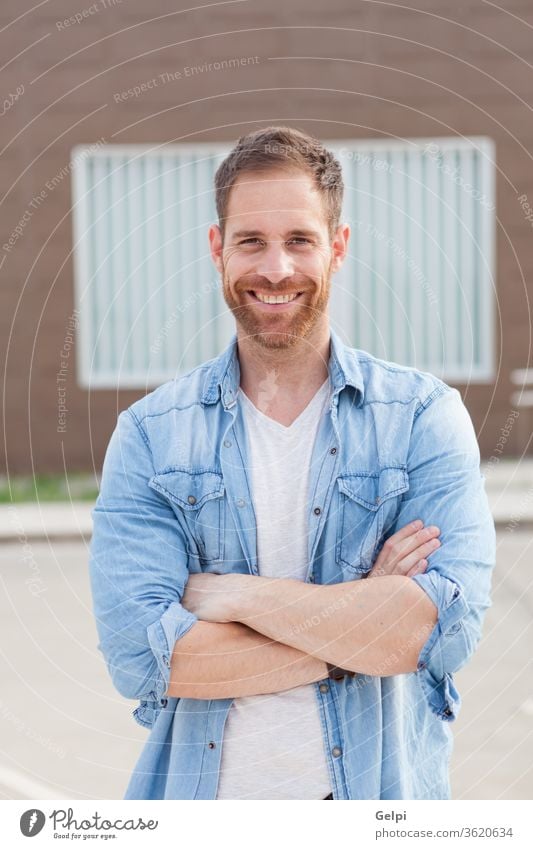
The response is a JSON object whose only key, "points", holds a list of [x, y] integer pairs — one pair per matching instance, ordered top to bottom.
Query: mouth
{"points": [[277, 301]]}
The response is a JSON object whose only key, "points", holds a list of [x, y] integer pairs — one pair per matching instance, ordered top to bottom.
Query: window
{"points": [[417, 287]]}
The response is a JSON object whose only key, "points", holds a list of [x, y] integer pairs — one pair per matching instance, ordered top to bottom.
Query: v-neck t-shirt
{"points": [[273, 744]]}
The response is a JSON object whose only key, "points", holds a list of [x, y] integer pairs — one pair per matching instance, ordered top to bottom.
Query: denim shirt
{"points": [[396, 444]]}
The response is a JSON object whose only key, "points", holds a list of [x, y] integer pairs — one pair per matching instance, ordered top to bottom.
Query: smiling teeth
{"points": [[275, 299]]}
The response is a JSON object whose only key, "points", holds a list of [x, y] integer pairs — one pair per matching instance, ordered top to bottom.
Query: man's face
{"points": [[277, 245]]}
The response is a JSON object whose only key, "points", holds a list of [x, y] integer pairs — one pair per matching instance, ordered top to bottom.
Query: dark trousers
{"points": [[328, 797]]}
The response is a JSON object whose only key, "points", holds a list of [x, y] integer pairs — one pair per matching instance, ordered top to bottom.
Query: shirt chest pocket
{"points": [[197, 498], [368, 505]]}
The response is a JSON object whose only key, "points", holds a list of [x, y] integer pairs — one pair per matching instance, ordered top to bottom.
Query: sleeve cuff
{"points": [[162, 636], [436, 657]]}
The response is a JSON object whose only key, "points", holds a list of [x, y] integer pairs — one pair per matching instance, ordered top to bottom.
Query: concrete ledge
{"points": [[45, 520]]}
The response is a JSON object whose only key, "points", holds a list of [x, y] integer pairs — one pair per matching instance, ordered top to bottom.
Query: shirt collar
{"points": [[223, 377]]}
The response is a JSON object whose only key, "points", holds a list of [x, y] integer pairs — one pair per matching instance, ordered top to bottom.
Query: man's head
{"points": [[279, 199]]}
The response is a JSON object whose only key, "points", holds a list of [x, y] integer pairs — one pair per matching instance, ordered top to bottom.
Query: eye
{"points": [[251, 240], [300, 240]]}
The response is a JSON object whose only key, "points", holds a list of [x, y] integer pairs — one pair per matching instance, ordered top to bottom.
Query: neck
{"points": [[283, 378]]}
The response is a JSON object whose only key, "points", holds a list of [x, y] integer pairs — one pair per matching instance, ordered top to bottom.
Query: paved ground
{"points": [[65, 733]]}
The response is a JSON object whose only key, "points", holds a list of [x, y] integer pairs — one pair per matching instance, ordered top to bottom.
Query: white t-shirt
{"points": [[273, 744]]}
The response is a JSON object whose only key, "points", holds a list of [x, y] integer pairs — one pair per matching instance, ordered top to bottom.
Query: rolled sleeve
{"points": [[446, 489], [138, 572], [162, 636], [446, 647]]}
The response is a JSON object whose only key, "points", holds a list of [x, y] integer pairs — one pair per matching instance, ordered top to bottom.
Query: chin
{"points": [[276, 341]]}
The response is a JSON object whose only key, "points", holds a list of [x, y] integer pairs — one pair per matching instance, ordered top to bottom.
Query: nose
{"points": [[275, 263]]}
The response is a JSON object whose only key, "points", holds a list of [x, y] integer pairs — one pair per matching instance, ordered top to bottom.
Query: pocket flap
{"points": [[189, 489], [372, 489]]}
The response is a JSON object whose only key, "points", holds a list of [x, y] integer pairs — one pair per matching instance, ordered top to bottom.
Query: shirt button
{"points": [[227, 443], [333, 451], [191, 499], [378, 499], [241, 502], [317, 511], [166, 661], [323, 688], [164, 702], [212, 745], [336, 752]]}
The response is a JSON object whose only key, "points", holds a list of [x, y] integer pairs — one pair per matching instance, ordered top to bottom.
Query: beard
{"points": [[283, 329]]}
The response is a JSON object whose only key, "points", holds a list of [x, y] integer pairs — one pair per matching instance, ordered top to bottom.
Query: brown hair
{"points": [[282, 147]]}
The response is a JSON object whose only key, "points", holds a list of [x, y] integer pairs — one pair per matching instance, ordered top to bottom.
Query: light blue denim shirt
{"points": [[396, 444]]}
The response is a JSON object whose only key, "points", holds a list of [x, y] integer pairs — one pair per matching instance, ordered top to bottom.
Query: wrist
{"points": [[242, 598]]}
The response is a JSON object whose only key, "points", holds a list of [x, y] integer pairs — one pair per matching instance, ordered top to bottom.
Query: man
{"points": [[242, 505]]}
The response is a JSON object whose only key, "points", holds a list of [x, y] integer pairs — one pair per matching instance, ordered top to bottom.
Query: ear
{"points": [[215, 246], [339, 246]]}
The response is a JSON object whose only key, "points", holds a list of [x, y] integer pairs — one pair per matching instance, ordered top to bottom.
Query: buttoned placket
{"points": [[327, 444], [325, 457], [237, 486]]}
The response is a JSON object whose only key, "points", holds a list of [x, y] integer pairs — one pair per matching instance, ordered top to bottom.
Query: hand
{"points": [[406, 551], [213, 597]]}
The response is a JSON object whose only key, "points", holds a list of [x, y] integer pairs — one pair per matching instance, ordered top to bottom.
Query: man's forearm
{"points": [[375, 627], [226, 660]]}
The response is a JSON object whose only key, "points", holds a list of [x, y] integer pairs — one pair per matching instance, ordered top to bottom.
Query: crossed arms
{"points": [[249, 634], [259, 635]]}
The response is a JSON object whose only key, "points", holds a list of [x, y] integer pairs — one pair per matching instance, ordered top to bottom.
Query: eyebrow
{"points": [[242, 234]]}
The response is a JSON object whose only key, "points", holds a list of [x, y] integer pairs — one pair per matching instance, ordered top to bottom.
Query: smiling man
{"points": [[292, 545]]}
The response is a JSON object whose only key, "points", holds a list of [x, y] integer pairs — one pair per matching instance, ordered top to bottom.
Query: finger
{"points": [[407, 531], [414, 541], [410, 544], [399, 545], [389, 549], [412, 559], [401, 565], [417, 569]]}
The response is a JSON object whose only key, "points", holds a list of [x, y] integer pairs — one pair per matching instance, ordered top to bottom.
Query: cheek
{"points": [[236, 266], [316, 266], [319, 277]]}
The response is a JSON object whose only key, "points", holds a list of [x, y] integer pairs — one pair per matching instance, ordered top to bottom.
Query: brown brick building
{"points": [[123, 73]]}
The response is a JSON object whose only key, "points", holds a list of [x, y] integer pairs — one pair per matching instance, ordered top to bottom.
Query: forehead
{"points": [[284, 197]]}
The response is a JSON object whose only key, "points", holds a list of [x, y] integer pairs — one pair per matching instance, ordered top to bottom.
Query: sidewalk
{"points": [[509, 487]]}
